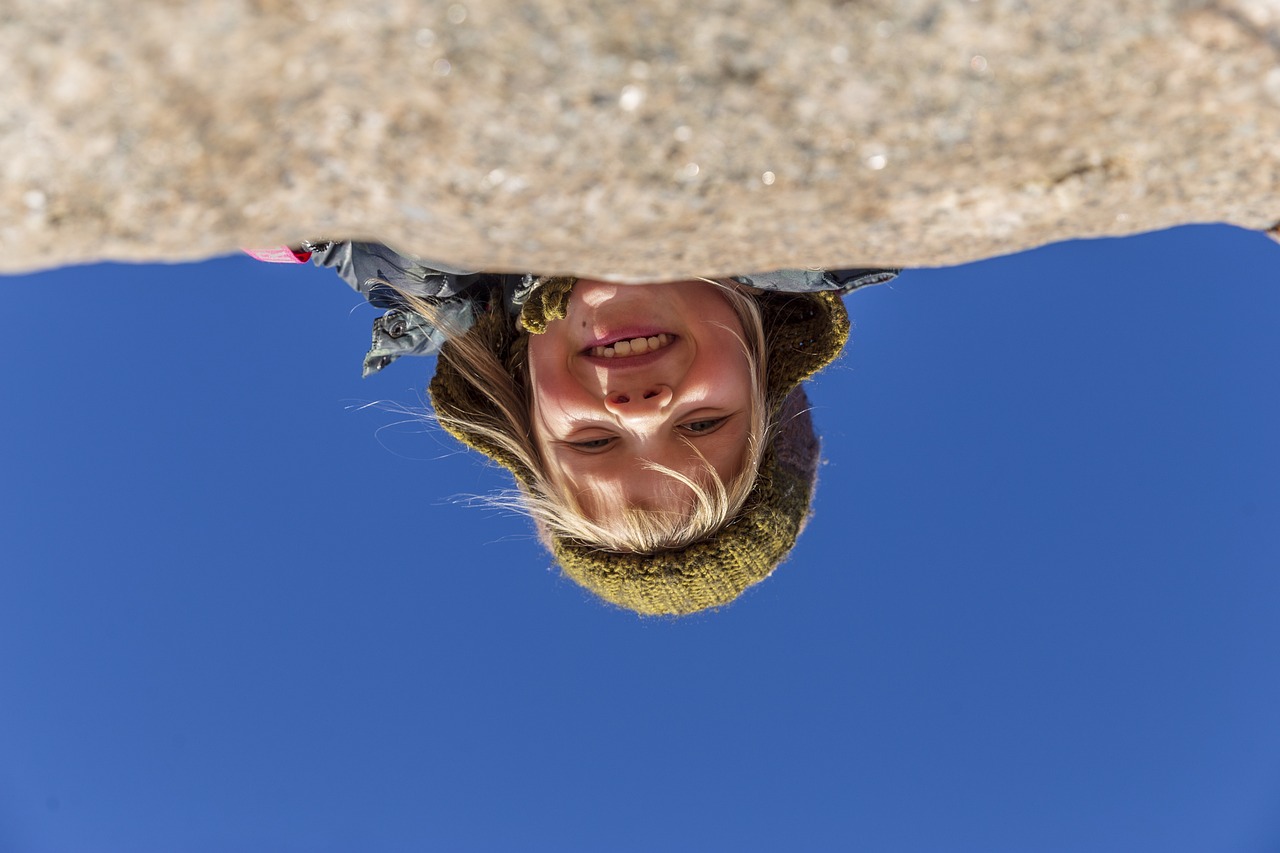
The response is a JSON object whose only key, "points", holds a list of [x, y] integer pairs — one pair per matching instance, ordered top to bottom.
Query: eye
{"points": [[704, 426], [592, 443]]}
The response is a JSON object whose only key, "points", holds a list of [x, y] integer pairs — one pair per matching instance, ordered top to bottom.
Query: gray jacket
{"points": [[380, 274]]}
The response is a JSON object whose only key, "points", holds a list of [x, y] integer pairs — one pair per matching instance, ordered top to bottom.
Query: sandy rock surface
{"points": [[643, 140]]}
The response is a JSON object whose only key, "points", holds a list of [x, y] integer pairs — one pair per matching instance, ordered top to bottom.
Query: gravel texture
{"points": [[635, 141]]}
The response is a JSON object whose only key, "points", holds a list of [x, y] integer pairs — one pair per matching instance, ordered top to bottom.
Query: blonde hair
{"points": [[490, 358]]}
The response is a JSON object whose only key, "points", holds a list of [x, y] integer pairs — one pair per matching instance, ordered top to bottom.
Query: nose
{"points": [[639, 402]]}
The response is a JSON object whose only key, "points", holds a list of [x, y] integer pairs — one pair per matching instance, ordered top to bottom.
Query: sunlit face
{"points": [[605, 404]]}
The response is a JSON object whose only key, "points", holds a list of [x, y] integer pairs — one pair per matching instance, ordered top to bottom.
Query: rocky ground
{"points": [[630, 140]]}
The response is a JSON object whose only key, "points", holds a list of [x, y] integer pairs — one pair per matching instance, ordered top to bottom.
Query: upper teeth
{"points": [[635, 346]]}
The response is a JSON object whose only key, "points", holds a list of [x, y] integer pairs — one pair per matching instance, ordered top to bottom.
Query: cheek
{"points": [[546, 366], [731, 366], [553, 383], [551, 389], [555, 393]]}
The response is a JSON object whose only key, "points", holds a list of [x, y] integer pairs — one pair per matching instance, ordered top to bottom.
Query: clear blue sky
{"points": [[1038, 608]]}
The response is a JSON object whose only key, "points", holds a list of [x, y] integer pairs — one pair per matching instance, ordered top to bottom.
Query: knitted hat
{"points": [[804, 332]]}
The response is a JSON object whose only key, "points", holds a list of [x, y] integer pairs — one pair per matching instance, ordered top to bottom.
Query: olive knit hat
{"points": [[803, 332]]}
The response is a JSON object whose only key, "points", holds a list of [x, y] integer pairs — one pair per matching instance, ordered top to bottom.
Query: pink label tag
{"points": [[279, 255]]}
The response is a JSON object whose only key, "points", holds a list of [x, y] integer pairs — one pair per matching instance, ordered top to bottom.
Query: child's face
{"points": [[600, 419]]}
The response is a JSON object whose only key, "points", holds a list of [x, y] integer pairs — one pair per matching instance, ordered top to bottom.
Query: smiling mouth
{"points": [[632, 347]]}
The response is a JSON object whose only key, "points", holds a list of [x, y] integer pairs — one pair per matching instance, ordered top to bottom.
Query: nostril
{"points": [[649, 395], [622, 398]]}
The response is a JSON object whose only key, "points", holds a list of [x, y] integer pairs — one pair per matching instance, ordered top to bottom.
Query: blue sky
{"points": [[1036, 609]]}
